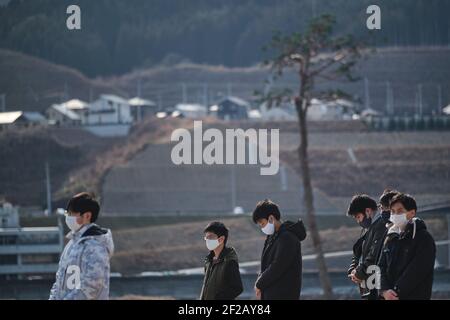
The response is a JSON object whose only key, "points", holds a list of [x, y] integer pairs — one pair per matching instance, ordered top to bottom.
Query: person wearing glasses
{"points": [[83, 271], [222, 279]]}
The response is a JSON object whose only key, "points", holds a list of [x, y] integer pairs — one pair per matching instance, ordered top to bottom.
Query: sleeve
{"points": [[302, 229], [356, 255], [283, 257], [371, 258], [353, 264], [419, 267], [94, 268], [233, 283], [385, 284], [55, 290]]}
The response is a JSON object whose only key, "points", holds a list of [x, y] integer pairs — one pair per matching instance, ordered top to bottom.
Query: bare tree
{"points": [[316, 56]]}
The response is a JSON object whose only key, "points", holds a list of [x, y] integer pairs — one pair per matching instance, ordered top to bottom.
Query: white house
{"points": [[81, 108], [141, 108], [231, 108], [109, 109], [339, 109], [192, 110], [446, 110], [283, 112], [59, 114], [109, 116], [21, 118]]}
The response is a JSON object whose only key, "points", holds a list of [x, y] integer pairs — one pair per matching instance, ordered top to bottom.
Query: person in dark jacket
{"points": [[385, 202], [384, 206], [367, 250], [408, 256], [281, 260], [222, 279]]}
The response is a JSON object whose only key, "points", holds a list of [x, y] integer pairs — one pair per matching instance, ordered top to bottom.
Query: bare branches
{"points": [[316, 55]]}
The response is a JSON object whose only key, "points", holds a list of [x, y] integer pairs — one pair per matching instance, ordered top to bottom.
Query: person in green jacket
{"points": [[222, 279]]}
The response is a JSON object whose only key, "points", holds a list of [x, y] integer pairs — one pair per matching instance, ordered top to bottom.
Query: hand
{"points": [[354, 278], [258, 293], [390, 295]]}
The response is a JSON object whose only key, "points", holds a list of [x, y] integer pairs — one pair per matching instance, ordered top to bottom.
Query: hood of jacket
{"points": [[296, 228], [102, 236]]}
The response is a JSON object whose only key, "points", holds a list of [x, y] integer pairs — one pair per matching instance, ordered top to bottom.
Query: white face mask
{"points": [[399, 220], [72, 223], [269, 228], [212, 244]]}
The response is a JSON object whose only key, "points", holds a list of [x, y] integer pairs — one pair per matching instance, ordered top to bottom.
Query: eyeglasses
{"points": [[71, 214]]}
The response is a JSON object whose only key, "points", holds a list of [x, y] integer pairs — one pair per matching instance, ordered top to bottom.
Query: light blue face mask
{"points": [[399, 220], [72, 223], [269, 228], [212, 244]]}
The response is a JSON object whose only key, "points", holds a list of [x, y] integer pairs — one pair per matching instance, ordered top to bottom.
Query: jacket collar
{"points": [[376, 217], [77, 234], [271, 239], [210, 256]]}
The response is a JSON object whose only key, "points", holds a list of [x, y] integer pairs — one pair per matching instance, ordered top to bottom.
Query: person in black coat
{"points": [[367, 250], [408, 256], [281, 260], [222, 279]]}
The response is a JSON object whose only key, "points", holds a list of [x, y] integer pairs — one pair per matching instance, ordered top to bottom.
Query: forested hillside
{"points": [[118, 36]]}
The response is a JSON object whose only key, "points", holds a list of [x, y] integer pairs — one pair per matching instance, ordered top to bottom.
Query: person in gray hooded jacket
{"points": [[83, 272]]}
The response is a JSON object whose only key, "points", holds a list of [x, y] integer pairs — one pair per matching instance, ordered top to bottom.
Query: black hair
{"points": [[386, 197], [406, 200], [82, 203], [360, 203], [264, 209], [219, 229]]}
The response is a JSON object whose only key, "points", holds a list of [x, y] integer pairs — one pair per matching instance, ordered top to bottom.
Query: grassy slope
{"points": [[33, 84]]}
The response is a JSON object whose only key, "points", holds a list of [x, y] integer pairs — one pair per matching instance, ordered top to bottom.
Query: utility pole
{"points": [[183, 87], [419, 88], [439, 88], [138, 89], [229, 89], [66, 92], [366, 93], [205, 94], [3, 99], [389, 99], [160, 106], [388, 108], [283, 178], [233, 187], [49, 190]]}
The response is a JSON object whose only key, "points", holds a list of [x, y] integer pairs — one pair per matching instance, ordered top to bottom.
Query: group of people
{"points": [[394, 245], [281, 259], [393, 259]]}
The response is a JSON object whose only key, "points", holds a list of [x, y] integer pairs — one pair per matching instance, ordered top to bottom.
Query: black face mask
{"points": [[386, 214], [366, 222]]}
